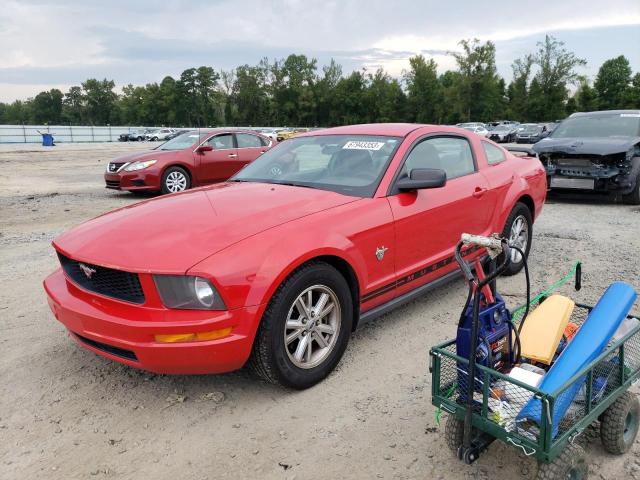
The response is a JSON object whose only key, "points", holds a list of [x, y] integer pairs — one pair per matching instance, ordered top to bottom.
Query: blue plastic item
{"points": [[47, 140], [589, 342]]}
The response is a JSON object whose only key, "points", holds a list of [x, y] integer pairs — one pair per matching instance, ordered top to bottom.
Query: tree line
{"points": [[294, 91]]}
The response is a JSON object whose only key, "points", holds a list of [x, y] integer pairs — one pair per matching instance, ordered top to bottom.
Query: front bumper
{"points": [[610, 179], [132, 181], [125, 332]]}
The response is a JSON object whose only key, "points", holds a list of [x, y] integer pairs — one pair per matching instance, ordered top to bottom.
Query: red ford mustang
{"points": [[191, 159], [278, 265]]}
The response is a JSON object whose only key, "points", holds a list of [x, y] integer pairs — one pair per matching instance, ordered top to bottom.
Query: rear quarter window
{"points": [[494, 154]]}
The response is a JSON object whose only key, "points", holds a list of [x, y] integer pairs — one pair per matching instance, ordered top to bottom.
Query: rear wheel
{"points": [[175, 179], [518, 231], [305, 329], [619, 426], [570, 464]]}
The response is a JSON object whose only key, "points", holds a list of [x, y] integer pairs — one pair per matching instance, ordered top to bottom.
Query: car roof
{"points": [[603, 112], [384, 129]]}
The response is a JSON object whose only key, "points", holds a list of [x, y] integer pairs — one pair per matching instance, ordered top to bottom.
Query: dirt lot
{"points": [[67, 413]]}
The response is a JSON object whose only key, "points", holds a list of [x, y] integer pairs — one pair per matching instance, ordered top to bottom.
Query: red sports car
{"points": [[194, 158], [278, 265]]}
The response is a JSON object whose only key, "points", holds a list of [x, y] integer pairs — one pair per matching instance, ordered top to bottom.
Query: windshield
{"points": [[615, 125], [502, 128], [530, 128], [182, 141], [348, 164]]}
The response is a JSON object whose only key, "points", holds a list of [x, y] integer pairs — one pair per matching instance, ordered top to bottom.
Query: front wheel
{"points": [[175, 179], [633, 198], [518, 231], [305, 328]]}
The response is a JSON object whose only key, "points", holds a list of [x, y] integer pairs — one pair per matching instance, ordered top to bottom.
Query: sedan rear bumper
{"points": [[113, 330]]}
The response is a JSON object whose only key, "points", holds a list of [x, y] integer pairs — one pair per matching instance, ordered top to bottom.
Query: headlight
{"points": [[139, 165], [188, 292]]}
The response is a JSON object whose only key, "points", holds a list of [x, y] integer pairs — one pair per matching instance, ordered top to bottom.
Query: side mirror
{"points": [[204, 148], [420, 178]]}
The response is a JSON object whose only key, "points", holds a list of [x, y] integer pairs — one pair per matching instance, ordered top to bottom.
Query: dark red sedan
{"points": [[194, 158], [279, 264]]}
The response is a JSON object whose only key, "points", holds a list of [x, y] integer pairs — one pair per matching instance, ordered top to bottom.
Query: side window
{"points": [[246, 140], [221, 142], [451, 154], [494, 154]]}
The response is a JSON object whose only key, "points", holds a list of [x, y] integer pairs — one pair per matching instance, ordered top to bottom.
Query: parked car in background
{"points": [[477, 128], [272, 133], [288, 133], [503, 133], [529, 133], [160, 134], [133, 136], [595, 151], [191, 159], [281, 263]]}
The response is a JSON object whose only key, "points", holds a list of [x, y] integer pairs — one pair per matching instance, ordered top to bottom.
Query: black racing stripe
{"points": [[414, 276]]}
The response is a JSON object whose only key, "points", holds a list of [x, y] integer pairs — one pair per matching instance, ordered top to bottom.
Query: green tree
{"points": [[556, 69], [612, 82], [518, 89], [479, 90], [424, 96], [632, 97], [384, 99], [586, 99], [100, 100], [74, 106], [46, 107]]}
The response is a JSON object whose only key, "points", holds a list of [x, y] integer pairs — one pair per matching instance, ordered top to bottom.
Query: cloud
{"points": [[63, 42]]}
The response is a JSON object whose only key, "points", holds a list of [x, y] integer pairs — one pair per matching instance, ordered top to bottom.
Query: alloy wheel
{"points": [[176, 181], [518, 237], [312, 326]]}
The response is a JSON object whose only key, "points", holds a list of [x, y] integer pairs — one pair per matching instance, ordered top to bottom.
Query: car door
{"points": [[250, 147], [221, 162], [429, 222]]}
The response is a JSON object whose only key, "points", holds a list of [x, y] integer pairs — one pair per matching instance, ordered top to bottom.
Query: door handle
{"points": [[232, 155], [479, 192]]}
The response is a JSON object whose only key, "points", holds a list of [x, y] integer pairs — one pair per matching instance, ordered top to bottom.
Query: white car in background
{"points": [[475, 127], [272, 133], [161, 134]]}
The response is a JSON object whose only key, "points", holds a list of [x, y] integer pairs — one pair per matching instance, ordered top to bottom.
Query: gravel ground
{"points": [[67, 413]]}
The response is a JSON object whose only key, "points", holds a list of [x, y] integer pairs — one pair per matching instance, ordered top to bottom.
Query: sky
{"points": [[56, 44]]}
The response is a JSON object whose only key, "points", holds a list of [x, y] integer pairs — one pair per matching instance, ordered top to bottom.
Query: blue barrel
{"points": [[47, 140]]}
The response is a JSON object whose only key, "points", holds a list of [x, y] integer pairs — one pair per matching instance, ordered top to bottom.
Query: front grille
{"points": [[115, 166], [113, 183], [105, 281], [103, 347]]}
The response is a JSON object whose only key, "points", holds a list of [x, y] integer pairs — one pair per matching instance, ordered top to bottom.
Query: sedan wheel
{"points": [[175, 179], [518, 230], [312, 326], [306, 327]]}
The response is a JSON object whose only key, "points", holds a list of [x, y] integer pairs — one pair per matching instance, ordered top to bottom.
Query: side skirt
{"points": [[396, 302]]}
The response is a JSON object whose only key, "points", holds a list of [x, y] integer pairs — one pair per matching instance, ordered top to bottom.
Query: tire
{"points": [[140, 139], [154, 139], [175, 179], [633, 198], [520, 213], [277, 361], [619, 425], [453, 433], [571, 463]]}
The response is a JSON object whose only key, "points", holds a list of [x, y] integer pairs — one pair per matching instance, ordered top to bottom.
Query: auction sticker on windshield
{"points": [[355, 145]]}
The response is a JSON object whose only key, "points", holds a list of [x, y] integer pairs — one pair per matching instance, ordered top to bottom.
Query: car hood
{"points": [[591, 146], [140, 156], [173, 233]]}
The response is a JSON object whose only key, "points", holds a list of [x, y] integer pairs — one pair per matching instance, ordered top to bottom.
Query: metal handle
{"points": [[232, 155], [479, 192]]}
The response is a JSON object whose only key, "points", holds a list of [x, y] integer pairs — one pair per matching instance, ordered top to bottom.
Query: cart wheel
{"points": [[619, 425], [454, 433], [570, 464]]}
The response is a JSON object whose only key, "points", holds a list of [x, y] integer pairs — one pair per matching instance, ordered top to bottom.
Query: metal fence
{"points": [[63, 133]]}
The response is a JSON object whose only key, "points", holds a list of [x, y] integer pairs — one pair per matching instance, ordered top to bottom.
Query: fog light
{"points": [[193, 337]]}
